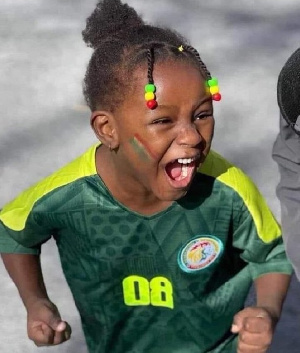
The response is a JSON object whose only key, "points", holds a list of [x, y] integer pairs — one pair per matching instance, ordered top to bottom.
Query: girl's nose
{"points": [[189, 136]]}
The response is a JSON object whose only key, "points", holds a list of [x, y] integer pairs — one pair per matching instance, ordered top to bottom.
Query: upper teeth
{"points": [[185, 160]]}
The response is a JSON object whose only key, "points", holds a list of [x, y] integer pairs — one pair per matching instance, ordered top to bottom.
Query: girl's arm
{"points": [[25, 271], [271, 290], [44, 324], [255, 325]]}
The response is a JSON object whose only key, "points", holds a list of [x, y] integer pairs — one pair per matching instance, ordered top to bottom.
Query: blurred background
{"points": [[45, 124]]}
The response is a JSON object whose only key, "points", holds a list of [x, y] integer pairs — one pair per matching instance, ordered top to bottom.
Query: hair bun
{"points": [[109, 19]]}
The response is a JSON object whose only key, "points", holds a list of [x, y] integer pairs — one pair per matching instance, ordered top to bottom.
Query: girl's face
{"points": [[161, 149]]}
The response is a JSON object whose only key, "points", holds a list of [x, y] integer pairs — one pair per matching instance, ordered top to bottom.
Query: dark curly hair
{"points": [[121, 41]]}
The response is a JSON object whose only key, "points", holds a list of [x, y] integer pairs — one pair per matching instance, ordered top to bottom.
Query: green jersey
{"points": [[166, 283]]}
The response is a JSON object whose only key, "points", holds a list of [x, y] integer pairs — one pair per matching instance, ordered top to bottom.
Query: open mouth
{"points": [[181, 171]]}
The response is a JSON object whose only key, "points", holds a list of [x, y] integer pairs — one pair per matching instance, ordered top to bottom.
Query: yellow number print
{"points": [[138, 291], [161, 292]]}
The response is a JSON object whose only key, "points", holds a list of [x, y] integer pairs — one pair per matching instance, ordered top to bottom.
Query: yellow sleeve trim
{"points": [[216, 166], [15, 214]]}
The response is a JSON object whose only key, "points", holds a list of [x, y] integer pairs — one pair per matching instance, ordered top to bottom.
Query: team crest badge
{"points": [[199, 253]]}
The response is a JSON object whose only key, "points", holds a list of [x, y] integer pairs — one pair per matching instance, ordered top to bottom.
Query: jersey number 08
{"points": [[138, 290]]}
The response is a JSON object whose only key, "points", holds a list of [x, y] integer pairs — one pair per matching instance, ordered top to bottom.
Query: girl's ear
{"points": [[103, 124]]}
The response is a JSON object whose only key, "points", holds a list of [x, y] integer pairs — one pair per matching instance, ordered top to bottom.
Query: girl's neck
{"points": [[123, 189]]}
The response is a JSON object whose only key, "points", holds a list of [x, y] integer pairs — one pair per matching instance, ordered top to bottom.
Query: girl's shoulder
{"points": [[220, 168], [244, 188], [15, 213]]}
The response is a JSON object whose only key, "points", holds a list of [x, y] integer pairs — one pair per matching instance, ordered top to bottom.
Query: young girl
{"points": [[159, 237]]}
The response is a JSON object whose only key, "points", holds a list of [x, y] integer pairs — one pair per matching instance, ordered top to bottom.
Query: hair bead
{"points": [[212, 82], [150, 87], [214, 89], [149, 96], [216, 97], [152, 104]]}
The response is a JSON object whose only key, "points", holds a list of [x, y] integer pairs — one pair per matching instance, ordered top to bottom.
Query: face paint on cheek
{"points": [[141, 148]]}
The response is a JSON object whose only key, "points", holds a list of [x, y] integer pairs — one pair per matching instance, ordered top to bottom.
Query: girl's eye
{"points": [[202, 116], [162, 121]]}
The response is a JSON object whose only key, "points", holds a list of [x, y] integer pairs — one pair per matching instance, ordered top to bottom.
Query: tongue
{"points": [[174, 170]]}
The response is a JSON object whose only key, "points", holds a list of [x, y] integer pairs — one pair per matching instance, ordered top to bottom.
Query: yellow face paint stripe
{"points": [[15, 214], [266, 225]]}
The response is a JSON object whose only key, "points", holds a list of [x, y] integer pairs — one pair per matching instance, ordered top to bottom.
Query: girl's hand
{"points": [[44, 324], [255, 327]]}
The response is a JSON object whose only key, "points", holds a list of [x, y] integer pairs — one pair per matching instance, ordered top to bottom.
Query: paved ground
{"points": [[44, 123]]}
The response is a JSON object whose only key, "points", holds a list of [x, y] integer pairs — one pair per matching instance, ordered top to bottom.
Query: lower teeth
{"points": [[184, 171]]}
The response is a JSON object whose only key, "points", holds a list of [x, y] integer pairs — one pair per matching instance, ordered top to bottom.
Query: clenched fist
{"points": [[44, 324], [255, 327]]}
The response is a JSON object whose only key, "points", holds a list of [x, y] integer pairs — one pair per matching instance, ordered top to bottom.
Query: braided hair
{"points": [[122, 41]]}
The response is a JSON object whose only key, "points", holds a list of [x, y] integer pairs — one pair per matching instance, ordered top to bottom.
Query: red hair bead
{"points": [[216, 97], [152, 104]]}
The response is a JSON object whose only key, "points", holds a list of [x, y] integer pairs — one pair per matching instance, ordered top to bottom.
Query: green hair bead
{"points": [[212, 82], [150, 87]]}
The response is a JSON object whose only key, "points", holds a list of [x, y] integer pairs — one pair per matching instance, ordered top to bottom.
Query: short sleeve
{"points": [[31, 219], [22, 232], [256, 234], [25, 241], [9, 245], [264, 254]]}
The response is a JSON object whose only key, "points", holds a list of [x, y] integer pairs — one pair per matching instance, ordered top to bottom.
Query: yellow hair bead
{"points": [[214, 89], [149, 96]]}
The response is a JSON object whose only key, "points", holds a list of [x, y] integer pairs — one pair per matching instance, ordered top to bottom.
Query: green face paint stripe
{"points": [[145, 145], [139, 148]]}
